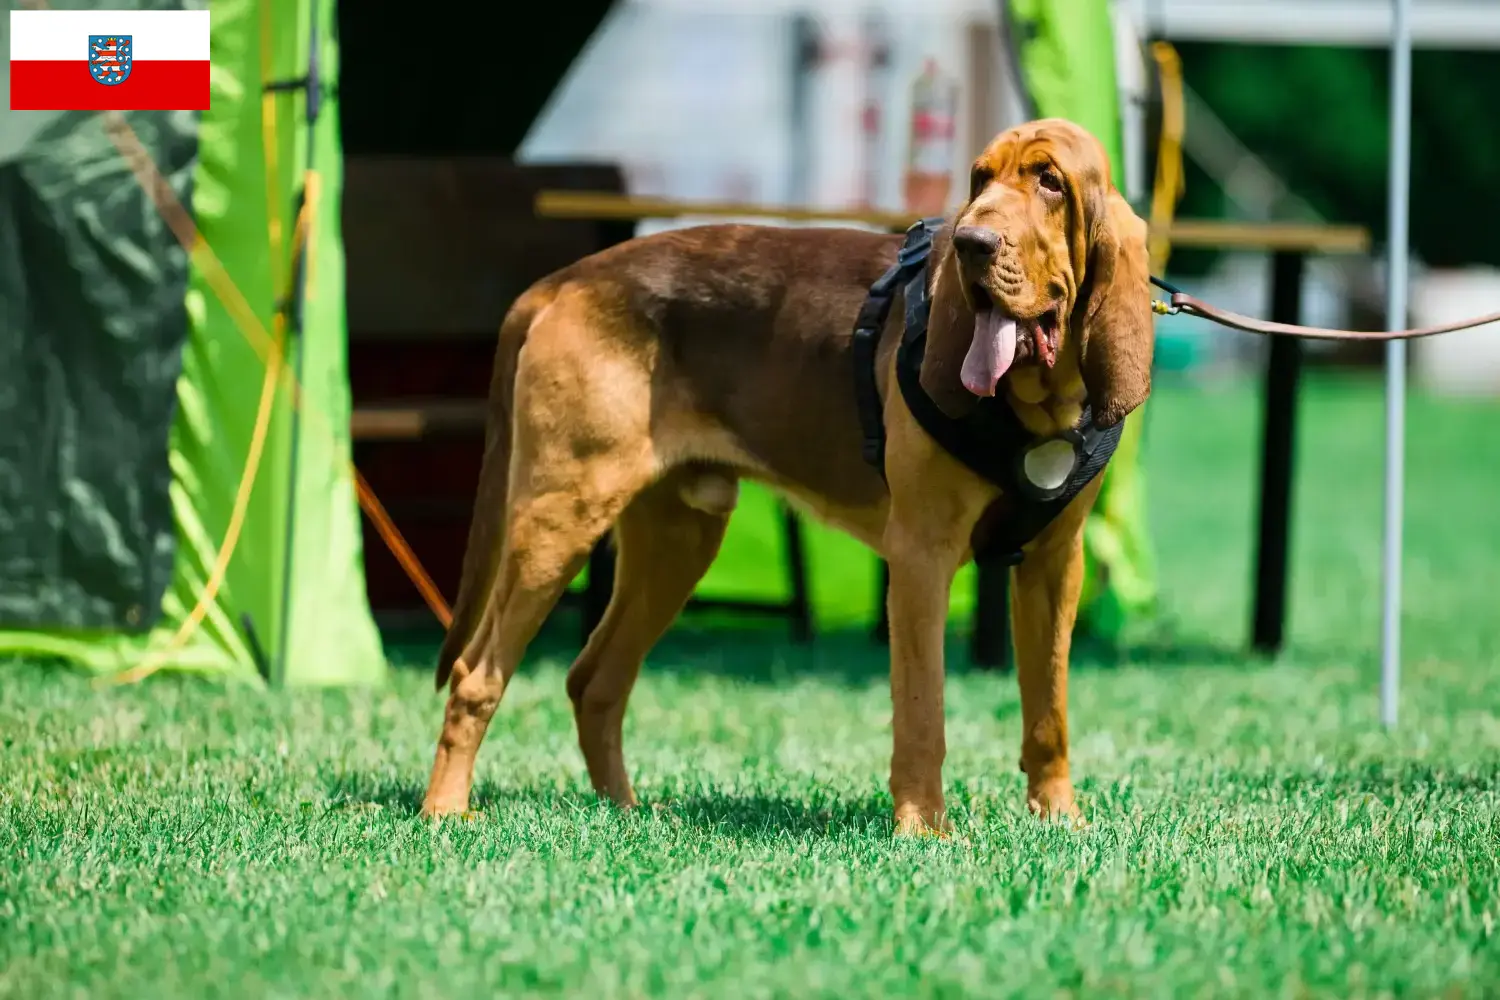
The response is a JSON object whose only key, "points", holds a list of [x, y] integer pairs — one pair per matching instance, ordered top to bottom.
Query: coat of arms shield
{"points": [[110, 58]]}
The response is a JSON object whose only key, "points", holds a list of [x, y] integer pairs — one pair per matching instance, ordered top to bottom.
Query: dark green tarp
{"points": [[92, 325]]}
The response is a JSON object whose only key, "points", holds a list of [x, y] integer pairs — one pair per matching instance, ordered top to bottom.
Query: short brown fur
{"points": [[635, 388]]}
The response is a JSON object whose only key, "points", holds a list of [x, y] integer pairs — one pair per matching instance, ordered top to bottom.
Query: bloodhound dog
{"points": [[635, 388]]}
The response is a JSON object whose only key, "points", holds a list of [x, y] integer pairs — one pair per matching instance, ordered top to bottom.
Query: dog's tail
{"points": [[491, 502]]}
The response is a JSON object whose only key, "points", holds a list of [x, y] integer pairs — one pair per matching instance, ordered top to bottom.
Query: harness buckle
{"points": [[918, 242], [913, 253]]}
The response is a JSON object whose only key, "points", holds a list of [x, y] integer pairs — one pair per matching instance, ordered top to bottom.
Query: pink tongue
{"points": [[990, 354]]}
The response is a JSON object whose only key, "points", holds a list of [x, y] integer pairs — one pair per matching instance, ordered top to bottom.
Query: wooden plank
{"points": [[600, 205], [1197, 233], [1276, 237], [409, 421], [386, 425]]}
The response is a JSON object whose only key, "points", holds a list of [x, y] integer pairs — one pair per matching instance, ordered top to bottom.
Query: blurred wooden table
{"points": [[1289, 244]]}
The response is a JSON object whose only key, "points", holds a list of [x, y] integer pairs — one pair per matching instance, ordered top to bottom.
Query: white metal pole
{"points": [[1395, 357]]}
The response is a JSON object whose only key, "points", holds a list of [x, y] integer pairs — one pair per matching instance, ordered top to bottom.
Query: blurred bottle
{"points": [[929, 158]]}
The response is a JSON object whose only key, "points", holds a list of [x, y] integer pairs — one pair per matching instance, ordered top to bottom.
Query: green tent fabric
{"points": [[133, 446]]}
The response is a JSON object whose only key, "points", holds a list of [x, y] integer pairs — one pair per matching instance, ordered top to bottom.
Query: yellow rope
{"points": [[1170, 180], [270, 347], [274, 358], [157, 658]]}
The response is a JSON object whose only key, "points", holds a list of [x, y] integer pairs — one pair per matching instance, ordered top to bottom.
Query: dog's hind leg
{"points": [[581, 451], [667, 538]]}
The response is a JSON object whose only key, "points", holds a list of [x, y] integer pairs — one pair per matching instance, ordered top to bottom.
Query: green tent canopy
{"points": [[130, 391]]}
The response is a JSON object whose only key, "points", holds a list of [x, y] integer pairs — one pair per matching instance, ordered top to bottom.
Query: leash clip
{"points": [[1160, 307]]}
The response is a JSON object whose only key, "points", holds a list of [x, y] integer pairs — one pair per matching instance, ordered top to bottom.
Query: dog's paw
{"points": [[1053, 802], [439, 809], [914, 822]]}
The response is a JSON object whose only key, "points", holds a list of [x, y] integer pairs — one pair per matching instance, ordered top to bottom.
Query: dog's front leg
{"points": [[922, 571], [1044, 605]]}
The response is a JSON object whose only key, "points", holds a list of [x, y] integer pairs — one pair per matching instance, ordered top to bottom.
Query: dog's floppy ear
{"points": [[1116, 318], [950, 330]]}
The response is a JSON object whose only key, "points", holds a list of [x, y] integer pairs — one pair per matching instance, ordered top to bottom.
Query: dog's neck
{"points": [[1046, 400]]}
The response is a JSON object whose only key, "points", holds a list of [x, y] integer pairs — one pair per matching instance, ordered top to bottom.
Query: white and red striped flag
{"points": [[109, 60]]}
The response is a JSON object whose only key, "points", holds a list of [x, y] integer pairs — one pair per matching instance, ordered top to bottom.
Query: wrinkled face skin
{"points": [[1021, 245]]}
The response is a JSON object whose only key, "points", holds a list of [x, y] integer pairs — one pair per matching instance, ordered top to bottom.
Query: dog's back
{"points": [[752, 331]]}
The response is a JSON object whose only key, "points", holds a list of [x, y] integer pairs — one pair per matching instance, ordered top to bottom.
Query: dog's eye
{"points": [[1049, 180]]}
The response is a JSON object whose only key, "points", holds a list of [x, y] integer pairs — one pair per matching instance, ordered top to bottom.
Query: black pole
{"points": [[294, 336], [1278, 440], [799, 607], [989, 643]]}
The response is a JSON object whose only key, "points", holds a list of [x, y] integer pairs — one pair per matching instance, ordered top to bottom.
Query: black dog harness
{"points": [[1040, 475]]}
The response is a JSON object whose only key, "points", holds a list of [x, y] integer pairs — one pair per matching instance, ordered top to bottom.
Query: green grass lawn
{"points": [[1253, 832]]}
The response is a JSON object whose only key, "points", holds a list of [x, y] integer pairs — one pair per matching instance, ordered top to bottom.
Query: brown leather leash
{"points": [[1181, 302]]}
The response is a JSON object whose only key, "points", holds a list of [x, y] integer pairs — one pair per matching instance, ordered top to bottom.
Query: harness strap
{"points": [[910, 266], [979, 440], [990, 440], [1029, 519]]}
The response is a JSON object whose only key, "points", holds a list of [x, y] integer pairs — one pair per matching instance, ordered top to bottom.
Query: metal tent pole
{"points": [[295, 339], [1395, 357]]}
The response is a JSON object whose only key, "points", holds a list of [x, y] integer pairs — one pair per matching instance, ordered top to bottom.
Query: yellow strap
{"points": [[1170, 179], [271, 347], [274, 361], [157, 658]]}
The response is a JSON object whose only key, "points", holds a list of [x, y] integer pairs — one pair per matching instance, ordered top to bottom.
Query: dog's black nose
{"points": [[976, 241]]}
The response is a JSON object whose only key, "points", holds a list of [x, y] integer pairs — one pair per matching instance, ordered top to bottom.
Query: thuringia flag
{"points": [[109, 60]]}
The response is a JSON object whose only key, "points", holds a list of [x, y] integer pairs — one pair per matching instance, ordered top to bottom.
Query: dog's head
{"points": [[1051, 263]]}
